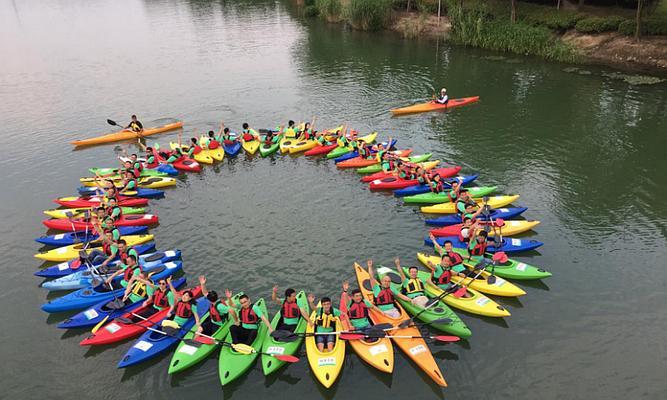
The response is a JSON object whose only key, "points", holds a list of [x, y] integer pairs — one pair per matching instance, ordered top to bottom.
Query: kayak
{"points": [[434, 106], [127, 134], [302, 145], [250, 147], [233, 149], [321, 149], [266, 150], [337, 152], [218, 153], [354, 154], [202, 157], [359, 161], [183, 163], [161, 166], [371, 169], [376, 170], [107, 171], [443, 172], [148, 182], [394, 182], [418, 189], [140, 192], [442, 197], [96, 201], [450, 208], [61, 213], [453, 219], [78, 224], [510, 228], [65, 239], [507, 246], [70, 252], [72, 266], [512, 269], [84, 277], [501, 287], [88, 296], [473, 301], [104, 310], [441, 310], [115, 330], [151, 343], [273, 346], [414, 348], [378, 353], [187, 355], [231, 364], [326, 366]]}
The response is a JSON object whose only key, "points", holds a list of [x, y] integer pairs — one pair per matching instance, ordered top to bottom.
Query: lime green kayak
{"points": [[266, 150], [339, 151], [371, 169], [144, 172], [437, 198], [61, 213], [512, 269], [272, 346], [187, 355], [232, 364]]}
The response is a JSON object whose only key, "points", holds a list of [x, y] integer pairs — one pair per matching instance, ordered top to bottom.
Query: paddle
{"points": [[287, 336], [439, 338], [242, 348]]}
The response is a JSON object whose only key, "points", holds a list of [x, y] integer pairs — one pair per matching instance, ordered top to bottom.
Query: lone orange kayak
{"points": [[434, 106], [127, 134]]}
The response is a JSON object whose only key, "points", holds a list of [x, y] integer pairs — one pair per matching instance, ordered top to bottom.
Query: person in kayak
{"points": [[443, 98], [135, 125], [291, 130], [307, 133], [248, 134], [271, 138], [211, 142], [195, 147], [174, 155], [390, 163], [136, 166], [128, 184], [463, 201], [113, 210], [479, 244], [446, 250], [107, 254], [128, 269], [412, 286], [136, 289], [384, 294], [159, 297], [184, 308], [358, 308], [218, 312], [290, 312], [326, 317], [246, 321]]}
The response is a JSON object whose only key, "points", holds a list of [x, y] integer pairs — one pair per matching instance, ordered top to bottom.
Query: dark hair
{"points": [[133, 116], [290, 123], [245, 125], [226, 130], [211, 133], [149, 149], [133, 155], [467, 219], [483, 234], [122, 241], [448, 241], [132, 257], [447, 257], [411, 268], [355, 291], [189, 292], [289, 292], [212, 296], [243, 296], [325, 300]]}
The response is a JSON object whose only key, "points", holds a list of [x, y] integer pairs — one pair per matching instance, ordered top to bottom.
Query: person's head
{"points": [[443, 91], [134, 118], [290, 123], [245, 125], [306, 126], [226, 131], [211, 134], [193, 140], [380, 146], [149, 150], [133, 157], [127, 164], [128, 175], [436, 178], [455, 184], [111, 191], [464, 194], [112, 202], [470, 208], [467, 221], [108, 235], [481, 236], [122, 245], [448, 245], [131, 259], [446, 261], [413, 272], [385, 282], [162, 284], [290, 295], [187, 296], [212, 296], [356, 296], [244, 300], [326, 303]]}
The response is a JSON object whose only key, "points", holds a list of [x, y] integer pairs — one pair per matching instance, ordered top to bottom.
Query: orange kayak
{"points": [[433, 106], [127, 134], [359, 162], [415, 348]]}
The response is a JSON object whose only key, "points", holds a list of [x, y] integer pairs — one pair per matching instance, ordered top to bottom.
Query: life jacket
{"points": [[134, 126], [247, 136], [213, 144], [197, 149], [151, 160], [106, 248], [479, 249], [125, 254], [455, 257], [129, 271], [443, 279], [414, 286], [139, 289], [384, 297], [160, 299], [183, 309], [290, 310], [358, 310], [213, 312], [248, 316], [325, 320]]}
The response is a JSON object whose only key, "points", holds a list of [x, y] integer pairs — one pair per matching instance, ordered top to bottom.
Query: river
{"points": [[584, 148]]}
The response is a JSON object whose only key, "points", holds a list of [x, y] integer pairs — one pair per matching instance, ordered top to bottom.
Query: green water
{"points": [[586, 152]]}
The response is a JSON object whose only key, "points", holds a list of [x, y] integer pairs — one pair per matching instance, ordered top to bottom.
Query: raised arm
{"points": [[397, 262]]}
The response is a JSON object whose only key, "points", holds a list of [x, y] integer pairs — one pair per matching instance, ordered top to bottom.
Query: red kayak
{"points": [[315, 151], [360, 162], [186, 164], [443, 172], [394, 182], [95, 201], [79, 224], [115, 331]]}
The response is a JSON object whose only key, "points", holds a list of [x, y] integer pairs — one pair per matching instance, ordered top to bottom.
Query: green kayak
{"points": [[266, 150], [339, 151], [371, 169], [144, 172], [436, 198], [512, 269], [441, 310], [272, 346], [187, 355], [232, 364]]}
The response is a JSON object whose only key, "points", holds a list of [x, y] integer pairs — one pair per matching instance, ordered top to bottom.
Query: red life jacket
{"points": [[248, 137], [213, 144], [197, 149], [155, 162], [106, 248], [479, 249], [123, 256], [455, 257], [129, 271], [445, 278], [386, 296], [160, 298], [183, 309], [290, 310], [358, 310], [213, 312], [248, 316]]}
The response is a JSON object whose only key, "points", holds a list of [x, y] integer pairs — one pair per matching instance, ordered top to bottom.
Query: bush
{"points": [[427, 6], [330, 9], [311, 11], [370, 14], [559, 20], [599, 24], [650, 26]]}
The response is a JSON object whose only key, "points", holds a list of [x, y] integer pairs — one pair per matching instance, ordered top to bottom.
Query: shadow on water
{"points": [[536, 284], [514, 302], [78, 332], [94, 351], [135, 370], [282, 376]]}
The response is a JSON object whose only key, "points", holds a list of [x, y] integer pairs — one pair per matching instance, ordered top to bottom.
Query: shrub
{"points": [[427, 6], [330, 9], [311, 11], [370, 14], [599, 24], [650, 26]]}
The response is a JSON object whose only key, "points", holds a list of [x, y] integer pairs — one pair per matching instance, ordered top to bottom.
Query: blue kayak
{"points": [[233, 149], [355, 153], [167, 169], [419, 189], [141, 192], [453, 219], [66, 239], [509, 245], [72, 266], [84, 277], [88, 296], [104, 309], [153, 343]]}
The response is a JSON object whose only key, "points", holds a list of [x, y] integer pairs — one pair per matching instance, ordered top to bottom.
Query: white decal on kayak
{"points": [[377, 181], [504, 210], [514, 223], [59, 236], [516, 242], [62, 250], [170, 253], [170, 265], [63, 266], [521, 267], [499, 282], [482, 301], [90, 314], [112, 327], [143, 345], [187, 349], [378, 349], [417, 349], [275, 350], [322, 362]]}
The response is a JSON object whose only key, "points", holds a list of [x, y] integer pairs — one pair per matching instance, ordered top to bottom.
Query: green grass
{"points": [[330, 10], [370, 15], [599, 24]]}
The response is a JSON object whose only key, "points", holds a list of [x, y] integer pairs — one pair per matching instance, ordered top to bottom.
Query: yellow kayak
{"points": [[127, 134], [302, 145], [217, 154], [203, 157], [148, 182], [450, 208], [61, 213], [71, 252], [500, 288], [473, 301], [325, 366]]}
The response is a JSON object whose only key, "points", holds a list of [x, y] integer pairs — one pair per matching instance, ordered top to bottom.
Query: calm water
{"points": [[585, 151]]}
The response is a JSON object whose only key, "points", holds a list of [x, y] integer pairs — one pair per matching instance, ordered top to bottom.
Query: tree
{"points": [[581, 4], [558, 5], [513, 16], [638, 23]]}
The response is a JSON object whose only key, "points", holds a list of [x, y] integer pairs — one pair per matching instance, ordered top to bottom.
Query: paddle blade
{"points": [[112, 122], [500, 222], [491, 279], [460, 292], [167, 323], [405, 323], [99, 325], [352, 336], [443, 338], [204, 339], [243, 348], [286, 358]]}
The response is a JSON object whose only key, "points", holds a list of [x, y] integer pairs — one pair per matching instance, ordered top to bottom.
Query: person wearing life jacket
{"points": [[443, 98], [135, 125], [290, 131], [307, 133], [248, 135], [270, 138], [211, 142], [195, 147], [364, 151], [175, 155], [151, 160], [390, 163], [136, 165], [434, 182], [129, 183], [453, 193], [463, 201], [113, 210], [472, 212], [479, 244], [447, 249], [124, 252], [107, 253], [128, 269], [443, 272], [412, 286], [136, 289], [384, 294], [159, 297], [184, 308], [358, 308], [218, 312], [290, 312], [326, 317], [247, 318]]}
